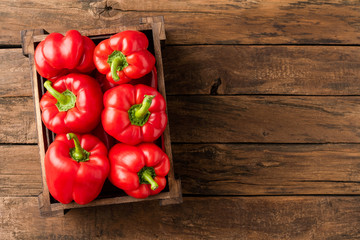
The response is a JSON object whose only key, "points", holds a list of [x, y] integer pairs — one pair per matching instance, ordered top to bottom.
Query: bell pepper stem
{"points": [[117, 62], [114, 65], [60, 97], [143, 110], [78, 154], [147, 176]]}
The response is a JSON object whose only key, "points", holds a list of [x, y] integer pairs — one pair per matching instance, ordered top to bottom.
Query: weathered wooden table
{"points": [[264, 108]]}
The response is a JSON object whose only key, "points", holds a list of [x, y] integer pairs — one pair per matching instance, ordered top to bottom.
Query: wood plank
{"points": [[187, 22], [290, 70], [294, 70], [14, 73], [230, 119], [264, 119], [17, 120], [223, 169], [272, 169], [20, 173], [196, 218]]}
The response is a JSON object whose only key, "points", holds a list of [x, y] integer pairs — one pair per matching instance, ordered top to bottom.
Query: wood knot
{"points": [[105, 9], [215, 87], [210, 152], [268, 164]]}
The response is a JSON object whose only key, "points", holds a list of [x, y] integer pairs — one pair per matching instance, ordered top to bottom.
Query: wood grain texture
{"points": [[188, 22], [290, 70], [294, 70], [14, 74], [230, 119], [264, 119], [17, 120], [223, 169], [275, 169], [20, 173], [214, 218]]}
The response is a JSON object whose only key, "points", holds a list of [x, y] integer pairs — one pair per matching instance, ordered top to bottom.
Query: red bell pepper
{"points": [[58, 54], [124, 56], [149, 79], [104, 83], [72, 104], [134, 114], [100, 133], [76, 169], [138, 170]]}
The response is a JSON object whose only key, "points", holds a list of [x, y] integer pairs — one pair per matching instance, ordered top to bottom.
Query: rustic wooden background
{"points": [[264, 110]]}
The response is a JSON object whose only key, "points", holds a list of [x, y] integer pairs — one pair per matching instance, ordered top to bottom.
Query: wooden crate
{"points": [[154, 28]]}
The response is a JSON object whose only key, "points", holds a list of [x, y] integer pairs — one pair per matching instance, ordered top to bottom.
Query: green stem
{"points": [[117, 62], [114, 66], [60, 97], [143, 110], [78, 153], [146, 175]]}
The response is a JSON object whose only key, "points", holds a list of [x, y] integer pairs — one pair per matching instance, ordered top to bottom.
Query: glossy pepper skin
{"points": [[58, 54], [124, 56], [149, 79], [104, 83], [72, 104], [134, 114], [105, 138], [76, 168], [138, 170]]}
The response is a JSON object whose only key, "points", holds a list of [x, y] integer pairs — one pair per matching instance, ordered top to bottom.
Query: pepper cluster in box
{"points": [[105, 113]]}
